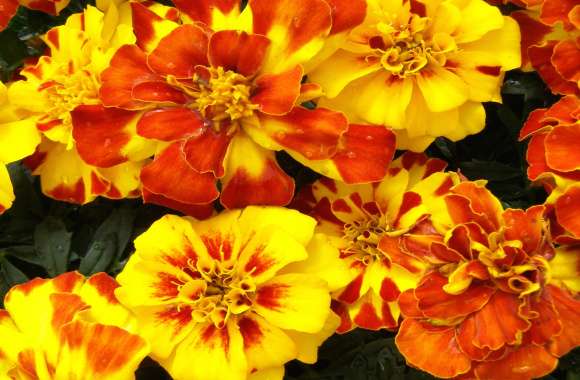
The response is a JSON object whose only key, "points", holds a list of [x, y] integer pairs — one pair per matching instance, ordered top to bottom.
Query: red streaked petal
{"points": [[7, 10], [204, 10], [556, 11], [346, 14], [180, 51], [238, 51], [541, 59], [565, 59], [128, 68], [157, 92], [276, 94], [535, 122], [169, 124], [314, 134], [561, 147], [206, 152], [365, 153], [536, 156], [171, 176], [253, 176], [568, 210], [201, 212], [525, 226], [409, 304], [568, 309], [547, 325], [431, 349], [525, 362]]}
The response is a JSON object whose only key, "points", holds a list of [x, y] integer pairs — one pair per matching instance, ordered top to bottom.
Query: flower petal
{"points": [[8, 8], [209, 12], [148, 26], [238, 51], [541, 59], [441, 89], [276, 94], [168, 124], [561, 152], [6, 190], [568, 208], [201, 212], [568, 309], [525, 362]]}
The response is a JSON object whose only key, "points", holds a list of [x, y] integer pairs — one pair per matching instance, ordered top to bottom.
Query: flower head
{"points": [[422, 67], [65, 78], [219, 103], [360, 227], [216, 298], [490, 305], [68, 327]]}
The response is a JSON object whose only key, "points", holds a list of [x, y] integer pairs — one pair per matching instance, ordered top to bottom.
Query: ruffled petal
{"points": [[238, 51], [276, 94], [169, 124], [205, 152], [568, 309], [527, 362]]}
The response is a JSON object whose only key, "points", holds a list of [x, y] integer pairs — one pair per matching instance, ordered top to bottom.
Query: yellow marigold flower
{"points": [[422, 67], [68, 76], [18, 139], [358, 248], [215, 299], [68, 327]]}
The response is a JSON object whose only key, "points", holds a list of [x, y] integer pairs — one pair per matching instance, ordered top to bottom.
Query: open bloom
{"points": [[550, 42], [421, 67], [65, 78], [220, 103], [18, 139], [358, 250], [216, 300], [490, 307], [68, 327]]}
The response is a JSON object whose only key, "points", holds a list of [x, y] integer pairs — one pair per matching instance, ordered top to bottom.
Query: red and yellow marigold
{"points": [[550, 42], [422, 67], [68, 76], [220, 103], [18, 139], [360, 227], [217, 300], [498, 302], [68, 327]]}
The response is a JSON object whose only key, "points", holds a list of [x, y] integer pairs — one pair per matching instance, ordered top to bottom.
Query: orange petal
{"points": [[7, 10], [205, 10], [556, 11], [346, 14], [148, 26], [533, 32], [180, 51], [238, 51], [541, 59], [565, 59], [157, 92], [276, 94], [534, 123], [169, 124], [206, 151], [365, 153], [562, 153], [536, 156], [171, 176], [567, 210], [200, 212], [525, 226], [434, 302], [409, 304], [568, 309], [547, 323], [431, 349], [527, 362]]}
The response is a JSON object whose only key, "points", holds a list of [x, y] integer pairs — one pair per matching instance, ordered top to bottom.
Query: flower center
{"points": [[406, 49], [68, 89], [362, 238], [215, 292]]}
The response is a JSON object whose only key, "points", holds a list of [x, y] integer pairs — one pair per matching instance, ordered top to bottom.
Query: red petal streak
{"points": [[7, 10], [201, 10], [346, 14], [238, 51], [541, 59], [158, 92], [277, 93], [170, 124], [205, 153], [269, 295]]}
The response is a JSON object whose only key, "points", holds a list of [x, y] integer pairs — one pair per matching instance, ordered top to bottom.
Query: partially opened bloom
{"points": [[550, 42], [422, 67], [65, 78], [220, 103], [18, 139], [358, 249], [216, 300], [490, 306], [68, 327]]}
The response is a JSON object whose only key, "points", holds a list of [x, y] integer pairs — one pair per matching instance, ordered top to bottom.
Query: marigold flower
{"points": [[550, 35], [422, 67], [59, 82], [220, 103], [18, 139], [360, 226], [215, 299], [490, 306], [68, 328]]}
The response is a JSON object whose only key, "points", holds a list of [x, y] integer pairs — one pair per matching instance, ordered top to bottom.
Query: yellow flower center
{"points": [[405, 49], [68, 89], [221, 96], [362, 239], [216, 292]]}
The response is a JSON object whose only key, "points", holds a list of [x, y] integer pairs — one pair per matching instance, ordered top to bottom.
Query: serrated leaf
{"points": [[52, 243]]}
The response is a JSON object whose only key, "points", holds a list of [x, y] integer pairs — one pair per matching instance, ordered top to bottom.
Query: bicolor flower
{"points": [[550, 35], [422, 67], [68, 76], [221, 103], [18, 139], [358, 249], [217, 300], [490, 306], [68, 327]]}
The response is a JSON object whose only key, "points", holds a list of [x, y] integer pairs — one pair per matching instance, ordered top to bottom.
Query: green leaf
{"points": [[492, 171], [52, 242], [9, 276]]}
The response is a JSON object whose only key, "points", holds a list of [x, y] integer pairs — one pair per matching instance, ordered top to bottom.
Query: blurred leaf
{"points": [[492, 171], [52, 243], [9, 276]]}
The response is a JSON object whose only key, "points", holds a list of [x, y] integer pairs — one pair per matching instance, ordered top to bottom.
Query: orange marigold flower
{"points": [[550, 43], [422, 67], [68, 76], [220, 103], [18, 139], [358, 247], [217, 298], [490, 306], [68, 327]]}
